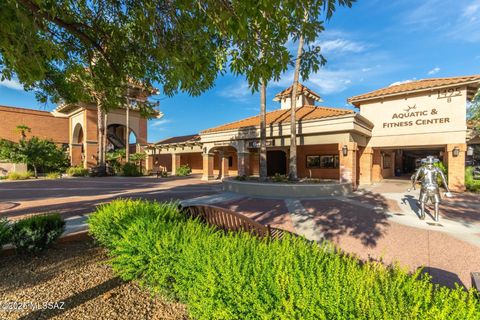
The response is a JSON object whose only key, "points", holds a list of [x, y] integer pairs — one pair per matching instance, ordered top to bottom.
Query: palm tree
{"points": [[23, 129], [263, 132], [292, 175]]}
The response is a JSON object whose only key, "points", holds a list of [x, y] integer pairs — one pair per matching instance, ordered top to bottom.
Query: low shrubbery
{"points": [[130, 169], [183, 170], [77, 172], [19, 175], [53, 175], [279, 178], [471, 184], [5, 232], [36, 233], [237, 276]]}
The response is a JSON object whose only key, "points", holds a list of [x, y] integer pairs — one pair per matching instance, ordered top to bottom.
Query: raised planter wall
{"points": [[287, 190]]}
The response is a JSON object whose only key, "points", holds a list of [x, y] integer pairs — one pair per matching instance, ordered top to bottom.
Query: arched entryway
{"points": [[116, 138], [77, 148], [276, 162]]}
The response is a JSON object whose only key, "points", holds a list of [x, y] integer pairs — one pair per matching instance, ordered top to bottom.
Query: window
{"points": [[387, 161], [323, 162]]}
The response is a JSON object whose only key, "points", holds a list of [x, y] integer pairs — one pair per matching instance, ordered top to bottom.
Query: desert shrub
{"points": [[130, 169], [183, 170], [77, 172], [19, 175], [53, 175], [241, 178], [279, 178], [470, 183], [5, 232], [36, 233], [222, 275]]}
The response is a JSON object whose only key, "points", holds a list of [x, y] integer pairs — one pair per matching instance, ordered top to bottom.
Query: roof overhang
{"points": [[472, 87]]}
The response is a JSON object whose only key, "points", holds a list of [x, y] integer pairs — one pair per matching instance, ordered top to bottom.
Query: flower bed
{"points": [[236, 276]]}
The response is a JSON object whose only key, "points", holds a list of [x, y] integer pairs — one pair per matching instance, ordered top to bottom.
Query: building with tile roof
{"points": [[394, 128]]}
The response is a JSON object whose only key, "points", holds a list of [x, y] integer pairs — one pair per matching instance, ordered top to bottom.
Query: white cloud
{"points": [[458, 21], [340, 45], [366, 69], [434, 71], [324, 81], [402, 82], [11, 84], [238, 91], [161, 122]]}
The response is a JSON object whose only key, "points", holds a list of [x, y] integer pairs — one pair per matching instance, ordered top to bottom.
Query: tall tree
{"points": [[302, 32], [90, 51]]}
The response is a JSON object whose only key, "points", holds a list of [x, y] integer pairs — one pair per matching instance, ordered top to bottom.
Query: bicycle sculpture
{"points": [[428, 174]]}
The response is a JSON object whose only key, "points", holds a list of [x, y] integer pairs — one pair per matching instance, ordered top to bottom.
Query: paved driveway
{"points": [[78, 196]]}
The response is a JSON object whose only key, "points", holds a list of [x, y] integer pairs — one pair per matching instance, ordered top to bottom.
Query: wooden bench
{"points": [[229, 220], [476, 280]]}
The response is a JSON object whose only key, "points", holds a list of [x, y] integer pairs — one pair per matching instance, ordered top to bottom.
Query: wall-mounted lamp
{"points": [[345, 151], [470, 151], [456, 152]]}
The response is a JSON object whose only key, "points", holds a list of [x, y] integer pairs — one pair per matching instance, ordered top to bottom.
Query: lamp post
{"points": [[345, 150]]}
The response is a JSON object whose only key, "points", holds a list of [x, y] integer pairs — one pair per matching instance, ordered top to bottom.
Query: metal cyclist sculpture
{"points": [[428, 175]]}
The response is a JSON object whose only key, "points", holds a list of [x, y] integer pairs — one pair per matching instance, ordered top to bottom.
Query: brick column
{"points": [[149, 163], [175, 163], [243, 163], [348, 163], [366, 164], [208, 166], [456, 167]]}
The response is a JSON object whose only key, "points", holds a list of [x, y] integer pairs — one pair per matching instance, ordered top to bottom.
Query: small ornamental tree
{"points": [[35, 152]]}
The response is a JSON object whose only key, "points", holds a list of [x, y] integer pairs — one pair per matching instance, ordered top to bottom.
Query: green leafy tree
{"points": [[82, 51], [35, 152]]}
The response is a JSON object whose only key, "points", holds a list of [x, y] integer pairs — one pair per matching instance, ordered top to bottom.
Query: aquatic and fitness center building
{"points": [[394, 128]]}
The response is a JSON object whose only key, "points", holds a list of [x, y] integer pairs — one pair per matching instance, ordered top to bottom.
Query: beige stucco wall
{"points": [[395, 125], [6, 167]]}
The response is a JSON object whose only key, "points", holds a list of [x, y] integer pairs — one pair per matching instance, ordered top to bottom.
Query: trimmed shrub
{"points": [[130, 169], [183, 170], [77, 172], [19, 175], [53, 175], [279, 178], [470, 183], [5, 232], [37, 233], [237, 276]]}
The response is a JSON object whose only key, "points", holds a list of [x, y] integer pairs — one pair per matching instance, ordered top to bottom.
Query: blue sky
{"points": [[371, 45]]}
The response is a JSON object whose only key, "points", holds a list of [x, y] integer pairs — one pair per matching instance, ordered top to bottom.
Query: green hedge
{"points": [[130, 169], [183, 170], [77, 172], [20, 175], [470, 183], [5, 232], [36, 233], [237, 276]]}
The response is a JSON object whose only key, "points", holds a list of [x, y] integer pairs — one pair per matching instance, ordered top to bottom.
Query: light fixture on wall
{"points": [[345, 150], [470, 151], [456, 152]]}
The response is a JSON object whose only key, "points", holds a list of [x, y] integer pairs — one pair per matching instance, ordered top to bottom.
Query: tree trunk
{"points": [[293, 121], [127, 130], [263, 132], [101, 134], [35, 173]]}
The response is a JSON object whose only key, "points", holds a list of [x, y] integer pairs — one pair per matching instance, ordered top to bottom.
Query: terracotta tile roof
{"points": [[419, 85], [301, 89], [283, 116], [180, 139]]}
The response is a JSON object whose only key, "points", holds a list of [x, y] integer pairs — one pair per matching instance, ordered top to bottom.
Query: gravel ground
{"points": [[73, 281]]}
